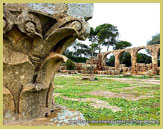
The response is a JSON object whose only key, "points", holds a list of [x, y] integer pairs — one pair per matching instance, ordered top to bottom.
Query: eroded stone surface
{"points": [[35, 35], [60, 117]]}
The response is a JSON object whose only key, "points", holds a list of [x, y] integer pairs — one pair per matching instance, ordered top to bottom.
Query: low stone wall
{"points": [[97, 65], [85, 68], [141, 68]]}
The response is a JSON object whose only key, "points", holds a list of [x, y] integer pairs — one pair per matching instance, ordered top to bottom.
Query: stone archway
{"points": [[154, 49], [144, 56], [110, 60], [124, 60], [143, 60]]}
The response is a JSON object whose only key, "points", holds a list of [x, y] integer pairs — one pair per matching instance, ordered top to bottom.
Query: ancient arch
{"points": [[154, 49], [139, 51], [110, 54], [121, 57]]}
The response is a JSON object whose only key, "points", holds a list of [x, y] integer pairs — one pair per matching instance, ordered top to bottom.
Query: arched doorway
{"points": [[144, 56], [125, 59], [110, 60], [144, 61], [124, 62]]}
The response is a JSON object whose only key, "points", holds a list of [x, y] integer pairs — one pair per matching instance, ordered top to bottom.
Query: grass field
{"points": [[111, 98]]}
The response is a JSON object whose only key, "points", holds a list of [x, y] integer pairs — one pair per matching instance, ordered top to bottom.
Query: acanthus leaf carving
{"points": [[41, 40]]}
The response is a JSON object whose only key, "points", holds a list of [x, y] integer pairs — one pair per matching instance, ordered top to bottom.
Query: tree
{"points": [[105, 34], [92, 35], [155, 40], [94, 41], [122, 45], [93, 48], [78, 49], [82, 49], [78, 52], [125, 58], [144, 58], [111, 61], [70, 65]]}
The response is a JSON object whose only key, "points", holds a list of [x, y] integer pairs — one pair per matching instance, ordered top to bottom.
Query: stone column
{"points": [[35, 35], [133, 59], [154, 61], [103, 62], [117, 62], [100, 64]]}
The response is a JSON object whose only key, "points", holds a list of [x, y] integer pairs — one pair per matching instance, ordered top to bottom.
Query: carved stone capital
{"points": [[35, 37]]}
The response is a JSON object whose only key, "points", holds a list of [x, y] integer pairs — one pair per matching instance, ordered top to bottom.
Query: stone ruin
{"points": [[35, 35], [99, 63]]}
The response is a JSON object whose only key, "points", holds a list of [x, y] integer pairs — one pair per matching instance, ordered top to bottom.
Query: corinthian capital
{"points": [[35, 37]]}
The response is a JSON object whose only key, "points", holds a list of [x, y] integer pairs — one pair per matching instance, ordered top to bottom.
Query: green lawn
{"points": [[145, 108]]}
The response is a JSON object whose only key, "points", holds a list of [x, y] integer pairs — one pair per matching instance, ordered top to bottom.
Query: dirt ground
{"points": [[137, 81], [96, 103]]}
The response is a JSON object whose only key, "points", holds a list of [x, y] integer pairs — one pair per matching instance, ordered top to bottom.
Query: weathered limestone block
{"points": [[35, 35], [122, 65], [63, 68], [158, 70], [148, 73], [8, 105]]}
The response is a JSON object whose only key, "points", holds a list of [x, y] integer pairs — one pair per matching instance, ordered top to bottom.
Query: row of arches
{"points": [[143, 56]]}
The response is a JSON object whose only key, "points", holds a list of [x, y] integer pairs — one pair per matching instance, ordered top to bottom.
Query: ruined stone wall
{"points": [[99, 63], [136, 68]]}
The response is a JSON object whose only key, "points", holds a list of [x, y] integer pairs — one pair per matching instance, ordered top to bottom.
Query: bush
{"points": [[70, 65]]}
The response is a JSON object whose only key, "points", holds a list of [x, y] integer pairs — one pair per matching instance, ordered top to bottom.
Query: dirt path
{"points": [[136, 81], [136, 86], [108, 94], [96, 103]]}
